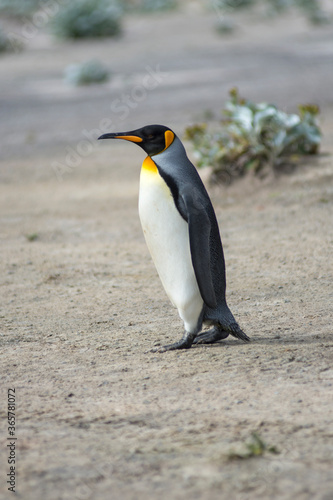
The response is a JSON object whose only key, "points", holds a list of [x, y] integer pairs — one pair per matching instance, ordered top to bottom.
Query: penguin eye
{"points": [[150, 136]]}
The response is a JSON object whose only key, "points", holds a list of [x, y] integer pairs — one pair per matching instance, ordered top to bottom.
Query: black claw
{"points": [[235, 331], [218, 333], [213, 335], [184, 343]]}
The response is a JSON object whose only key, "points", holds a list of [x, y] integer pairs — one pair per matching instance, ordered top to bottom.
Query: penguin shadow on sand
{"points": [[182, 235], [283, 340]]}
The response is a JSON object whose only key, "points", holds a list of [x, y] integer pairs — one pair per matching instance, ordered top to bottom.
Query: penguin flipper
{"points": [[199, 227]]}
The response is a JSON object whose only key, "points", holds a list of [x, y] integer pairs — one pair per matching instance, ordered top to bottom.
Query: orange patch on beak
{"points": [[132, 138]]}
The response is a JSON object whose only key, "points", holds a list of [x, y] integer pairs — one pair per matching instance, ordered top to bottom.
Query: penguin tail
{"points": [[235, 330]]}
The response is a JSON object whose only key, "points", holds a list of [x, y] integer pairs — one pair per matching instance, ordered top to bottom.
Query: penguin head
{"points": [[153, 139]]}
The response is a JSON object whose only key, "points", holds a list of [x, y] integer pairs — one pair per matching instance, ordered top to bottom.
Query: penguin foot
{"points": [[235, 331], [213, 335], [184, 343]]}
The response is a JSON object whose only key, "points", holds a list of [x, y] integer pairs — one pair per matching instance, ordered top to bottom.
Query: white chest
{"points": [[167, 238]]}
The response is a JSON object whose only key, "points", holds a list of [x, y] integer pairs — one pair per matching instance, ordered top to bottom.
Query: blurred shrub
{"points": [[232, 4], [149, 5], [19, 8], [312, 8], [88, 19], [225, 26], [4, 43], [9, 44], [86, 73], [253, 136]]}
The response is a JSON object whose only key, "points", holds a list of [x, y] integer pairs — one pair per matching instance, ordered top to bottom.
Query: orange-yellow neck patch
{"points": [[168, 138], [149, 165]]}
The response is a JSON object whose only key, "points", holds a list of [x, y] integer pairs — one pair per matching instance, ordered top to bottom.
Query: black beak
{"points": [[108, 136], [128, 136]]}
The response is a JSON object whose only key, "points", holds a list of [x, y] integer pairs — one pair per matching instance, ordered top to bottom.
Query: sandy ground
{"points": [[97, 416]]}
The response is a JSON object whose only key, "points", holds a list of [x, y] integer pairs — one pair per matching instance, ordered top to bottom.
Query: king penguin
{"points": [[182, 235]]}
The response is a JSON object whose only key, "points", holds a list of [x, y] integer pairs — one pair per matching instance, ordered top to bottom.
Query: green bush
{"points": [[232, 4], [149, 5], [157, 5], [19, 8], [312, 8], [88, 19], [7, 44], [4, 45], [86, 73], [253, 136], [253, 447]]}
